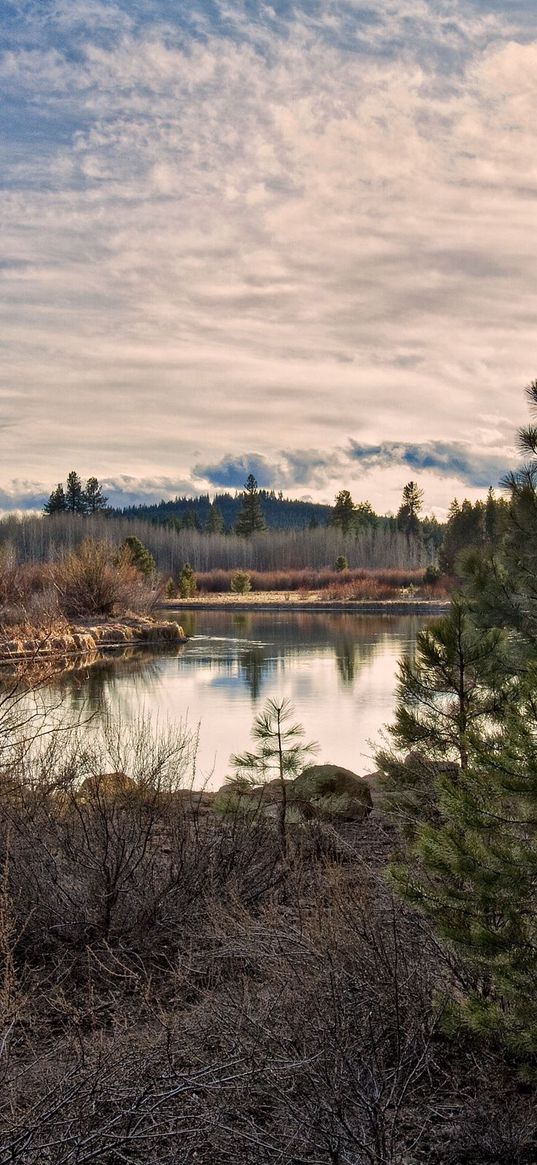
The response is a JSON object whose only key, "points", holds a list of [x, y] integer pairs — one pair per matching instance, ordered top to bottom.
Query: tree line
{"points": [[75, 498], [252, 511], [255, 511], [31, 539]]}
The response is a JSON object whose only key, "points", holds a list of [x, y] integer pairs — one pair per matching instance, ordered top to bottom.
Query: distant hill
{"points": [[279, 513]]}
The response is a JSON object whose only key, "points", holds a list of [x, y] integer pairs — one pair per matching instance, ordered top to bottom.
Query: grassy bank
{"points": [[335, 585], [276, 601], [83, 638]]}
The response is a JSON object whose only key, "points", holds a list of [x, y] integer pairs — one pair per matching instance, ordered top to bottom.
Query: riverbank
{"points": [[313, 601], [85, 637]]}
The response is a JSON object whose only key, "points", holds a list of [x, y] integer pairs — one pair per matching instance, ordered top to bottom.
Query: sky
{"points": [[297, 239]]}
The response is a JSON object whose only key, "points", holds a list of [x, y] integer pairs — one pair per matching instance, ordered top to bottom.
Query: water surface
{"points": [[337, 669]]}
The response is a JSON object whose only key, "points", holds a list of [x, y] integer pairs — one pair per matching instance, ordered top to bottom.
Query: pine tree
{"points": [[74, 494], [95, 501], [57, 503], [409, 511], [344, 512], [364, 516], [250, 517], [490, 518], [190, 520], [215, 521], [465, 530], [139, 555], [187, 582], [450, 694], [281, 754], [471, 864], [474, 873]]}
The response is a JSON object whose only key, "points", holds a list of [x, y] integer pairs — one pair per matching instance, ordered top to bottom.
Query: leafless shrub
{"points": [[94, 580], [173, 990]]}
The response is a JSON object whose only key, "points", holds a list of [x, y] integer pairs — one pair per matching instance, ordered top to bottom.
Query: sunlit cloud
{"points": [[267, 228]]}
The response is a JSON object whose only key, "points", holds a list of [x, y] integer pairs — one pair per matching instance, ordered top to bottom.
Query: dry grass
{"points": [[91, 582], [332, 584], [173, 991]]}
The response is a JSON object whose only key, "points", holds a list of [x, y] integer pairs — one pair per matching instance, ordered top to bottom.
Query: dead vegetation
{"points": [[92, 598], [62, 639], [173, 989]]}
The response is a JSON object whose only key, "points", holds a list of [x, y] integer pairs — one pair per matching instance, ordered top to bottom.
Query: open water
{"points": [[339, 671]]}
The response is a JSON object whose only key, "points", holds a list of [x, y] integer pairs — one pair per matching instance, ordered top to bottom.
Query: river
{"points": [[339, 671]]}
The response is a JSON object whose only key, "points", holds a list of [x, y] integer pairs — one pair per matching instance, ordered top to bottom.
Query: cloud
{"points": [[264, 227], [289, 469], [322, 469], [480, 469], [231, 472], [22, 495]]}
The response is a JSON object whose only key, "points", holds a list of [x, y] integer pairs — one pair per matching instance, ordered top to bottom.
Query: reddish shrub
{"points": [[357, 584]]}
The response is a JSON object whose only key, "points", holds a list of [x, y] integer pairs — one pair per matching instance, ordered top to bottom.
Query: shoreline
{"points": [[270, 602], [85, 638]]}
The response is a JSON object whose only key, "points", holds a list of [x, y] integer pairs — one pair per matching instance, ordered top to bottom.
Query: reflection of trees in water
{"points": [[242, 622], [285, 630], [354, 638], [255, 648], [351, 656], [346, 660], [249, 664], [255, 667], [97, 680]]}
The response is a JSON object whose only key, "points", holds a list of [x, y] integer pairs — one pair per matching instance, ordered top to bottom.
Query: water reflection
{"points": [[255, 667], [338, 670], [93, 684]]}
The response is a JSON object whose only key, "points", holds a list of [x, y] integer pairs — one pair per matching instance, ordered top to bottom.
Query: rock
{"points": [[423, 765], [376, 783], [109, 785], [334, 792], [271, 793], [232, 798], [198, 802]]}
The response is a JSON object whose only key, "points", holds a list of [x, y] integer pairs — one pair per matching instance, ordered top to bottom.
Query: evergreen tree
{"points": [[74, 494], [95, 500], [57, 503], [409, 511], [344, 512], [364, 516], [250, 517], [190, 520], [215, 521], [490, 523], [465, 530], [432, 532], [139, 555], [187, 582], [241, 582], [450, 694], [281, 754], [471, 864], [474, 873]]}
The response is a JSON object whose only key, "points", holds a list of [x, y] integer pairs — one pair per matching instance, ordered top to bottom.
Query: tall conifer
{"points": [[250, 517], [471, 862]]}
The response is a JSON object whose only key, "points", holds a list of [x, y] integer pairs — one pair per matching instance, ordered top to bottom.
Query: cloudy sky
{"points": [[298, 238]]}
